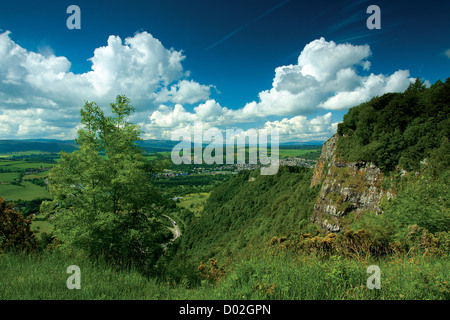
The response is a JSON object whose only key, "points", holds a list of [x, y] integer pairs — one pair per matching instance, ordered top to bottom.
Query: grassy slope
{"points": [[28, 191], [194, 202], [241, 215], [268, 276]]}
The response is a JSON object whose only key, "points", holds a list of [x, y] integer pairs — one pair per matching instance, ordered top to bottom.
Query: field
{"points": [[306, 152], [20, 153], [300, 153], [23, 165], [38, 175], [8, 176], [16, 179], [27, 191], [193, 202], [42, 226]]}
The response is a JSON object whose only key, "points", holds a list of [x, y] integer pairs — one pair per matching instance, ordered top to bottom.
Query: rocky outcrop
{"points": [[326, 157], [347, 187]]}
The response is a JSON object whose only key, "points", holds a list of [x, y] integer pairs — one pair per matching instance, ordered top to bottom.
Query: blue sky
{"points": [[227, 64]]}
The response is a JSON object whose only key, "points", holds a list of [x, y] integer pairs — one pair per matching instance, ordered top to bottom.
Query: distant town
{"points": [[234, 168]]}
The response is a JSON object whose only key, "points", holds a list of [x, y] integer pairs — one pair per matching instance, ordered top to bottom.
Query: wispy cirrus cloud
{"points": [[237, 30], [447, 53]]}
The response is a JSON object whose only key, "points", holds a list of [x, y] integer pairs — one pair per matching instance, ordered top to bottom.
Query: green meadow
{"points": [[8, 176], [16, 184], [25, 191], [193, 202]]}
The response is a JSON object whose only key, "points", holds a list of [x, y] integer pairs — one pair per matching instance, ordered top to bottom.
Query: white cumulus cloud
{"points": [[139, 67], [327, 75], [39, 95], [299, 128]]}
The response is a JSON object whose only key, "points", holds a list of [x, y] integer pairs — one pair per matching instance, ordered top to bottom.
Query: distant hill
{"points": [[302, 144], [158, 145], [9, 146], [53, 146]]}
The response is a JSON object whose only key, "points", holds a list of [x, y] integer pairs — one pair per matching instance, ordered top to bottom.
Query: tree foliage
{"points": [[397, 129], [107, 205]]}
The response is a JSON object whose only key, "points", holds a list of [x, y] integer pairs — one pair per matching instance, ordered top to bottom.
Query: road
{"points": [[175, 230]]}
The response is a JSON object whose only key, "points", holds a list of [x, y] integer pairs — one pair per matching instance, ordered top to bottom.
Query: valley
{"points": [[141, 227]]}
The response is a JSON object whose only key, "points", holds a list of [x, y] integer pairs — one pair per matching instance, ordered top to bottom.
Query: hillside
{"points": [[397, 130], [380, 149], [361, 191], [245, 212], [300, 234]]}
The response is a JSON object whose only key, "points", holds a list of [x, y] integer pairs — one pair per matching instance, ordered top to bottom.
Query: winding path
{"points": [[175, 230]]}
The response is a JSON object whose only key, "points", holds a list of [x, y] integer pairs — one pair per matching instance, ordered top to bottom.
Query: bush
{"points": [[15, 231], [123, 240], [363, 244], [211, 272]]}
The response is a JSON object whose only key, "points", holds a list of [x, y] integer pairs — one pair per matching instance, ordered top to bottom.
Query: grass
{"points": [[21, 153], [299, 153], [22, 165], [38, 175], [8, 176], [28, 191], [194, 202], [42, 226], [262, 276], [44, 277]]}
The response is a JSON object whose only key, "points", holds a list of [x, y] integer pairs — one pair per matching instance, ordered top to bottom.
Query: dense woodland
{"points": [[399, 129]]}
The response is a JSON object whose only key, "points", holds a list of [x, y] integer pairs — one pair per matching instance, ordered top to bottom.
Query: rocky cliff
{"points": [[347, 187]]}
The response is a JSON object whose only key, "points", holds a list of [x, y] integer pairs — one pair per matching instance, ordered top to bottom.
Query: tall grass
{"points": [[43, 276], [262, 276], [303, 277]]}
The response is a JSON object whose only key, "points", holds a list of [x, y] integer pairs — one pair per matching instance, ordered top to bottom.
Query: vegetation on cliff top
{"points": [[398, 129]]}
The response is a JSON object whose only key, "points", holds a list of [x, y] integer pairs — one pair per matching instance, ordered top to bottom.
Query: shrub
{"points": [[15, 231], [213, 272]]}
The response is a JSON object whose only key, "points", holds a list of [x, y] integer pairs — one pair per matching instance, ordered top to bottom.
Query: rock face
{"points": [[326, 157], [347, 187]]}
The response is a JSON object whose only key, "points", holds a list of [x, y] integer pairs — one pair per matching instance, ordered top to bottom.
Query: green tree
{"points": [[106, 203]]}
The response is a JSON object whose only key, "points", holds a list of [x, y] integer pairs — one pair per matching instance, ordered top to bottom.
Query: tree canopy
{"points": [[397, 129], [104, 198]]}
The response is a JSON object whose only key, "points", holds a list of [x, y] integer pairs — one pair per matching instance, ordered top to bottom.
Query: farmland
{"points": [[23, 179]]}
